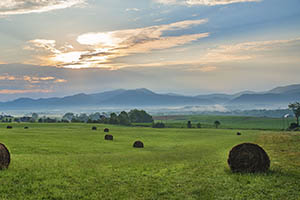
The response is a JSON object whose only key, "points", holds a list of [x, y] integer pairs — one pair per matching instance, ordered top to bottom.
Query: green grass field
{"points": [[227, 122], [70, 161]]}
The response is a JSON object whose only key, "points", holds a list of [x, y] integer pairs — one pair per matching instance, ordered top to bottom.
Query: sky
{"points": [[63, 47]]}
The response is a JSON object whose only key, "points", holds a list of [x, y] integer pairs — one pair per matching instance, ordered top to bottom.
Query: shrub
{"points": [[158, 125]]}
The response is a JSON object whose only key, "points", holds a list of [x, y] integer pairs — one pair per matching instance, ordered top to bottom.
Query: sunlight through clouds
{"points": [[100, 49]]}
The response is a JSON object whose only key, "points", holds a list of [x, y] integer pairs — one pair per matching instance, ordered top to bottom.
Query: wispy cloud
{"points": [[203, 2], [15, 7], [132, 9], [100, 49], [248, 50], [231, 53], [208, 68], [31, 79], [25, 91]]}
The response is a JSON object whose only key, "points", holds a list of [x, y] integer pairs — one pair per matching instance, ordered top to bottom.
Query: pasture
{"points": [[227, 122], [72, 161]]}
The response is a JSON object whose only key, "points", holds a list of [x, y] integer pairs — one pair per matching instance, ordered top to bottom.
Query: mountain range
{"points": [[146, 98]]}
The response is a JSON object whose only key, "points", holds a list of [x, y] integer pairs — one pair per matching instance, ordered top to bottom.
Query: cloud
{"points": [[202, 2], [16, 7], [132, 9], [102, 48], [248, 50], [230, 53], [208, 68], [31, 79], [60, 81], [24, 91]]}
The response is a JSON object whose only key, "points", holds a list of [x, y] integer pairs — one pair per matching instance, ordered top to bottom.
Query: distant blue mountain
{"points": [[278, 95], [144, 97], [117, 98]]}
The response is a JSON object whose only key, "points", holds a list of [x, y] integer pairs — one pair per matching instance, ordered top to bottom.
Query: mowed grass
{"points": [[228, 122], [70, 161]]}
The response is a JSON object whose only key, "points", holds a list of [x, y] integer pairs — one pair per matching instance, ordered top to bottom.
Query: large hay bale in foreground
{"points": [[9, 127], [94, 128], [106, 130], [238, 133], [109, 137], [138, 144], [4, 157], [249, 158]]}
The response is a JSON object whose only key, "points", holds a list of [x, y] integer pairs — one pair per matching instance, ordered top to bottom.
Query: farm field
{"points": [[227, 122], [71, 161]]}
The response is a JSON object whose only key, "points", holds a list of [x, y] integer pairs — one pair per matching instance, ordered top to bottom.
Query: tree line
{"points": [[122, 118]]}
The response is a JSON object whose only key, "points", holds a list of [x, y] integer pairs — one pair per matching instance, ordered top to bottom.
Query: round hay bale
{"points": [[9, 127], [26, 127], [94, 128], [106, 130], [238, 133], [109, 137], [138, 144], [4, 157], [248, 158]]}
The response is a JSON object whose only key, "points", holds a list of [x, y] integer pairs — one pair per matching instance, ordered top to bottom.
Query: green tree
{"points": [[295, 107], [34, 116], [68, 116], [140, 116], [83, 117], [113, 118], [123, 118], [189, 124], [217, 124], [158, 125], [199, 125]]}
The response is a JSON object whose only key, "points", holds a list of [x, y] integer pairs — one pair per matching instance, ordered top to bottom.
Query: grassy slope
{"points": [[240, 122], [70, 161]]}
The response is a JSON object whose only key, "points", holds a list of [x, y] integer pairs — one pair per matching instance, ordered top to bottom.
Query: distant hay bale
{"points": [[9, 127], [26, 127], [94, 128], [106, 130], [238, 133], [109, 137], [138, 144], [4, 157], [248, 158]]}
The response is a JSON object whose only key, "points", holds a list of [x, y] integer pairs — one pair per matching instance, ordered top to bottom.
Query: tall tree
{"points": [[295, 107], [34, 116], [68, 116], [140, 116], [113, 118], [123, 118], [217, 123], [189, 124]]}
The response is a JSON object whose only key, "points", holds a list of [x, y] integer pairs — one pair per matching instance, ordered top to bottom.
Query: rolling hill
{"points": [[146, 98]]}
